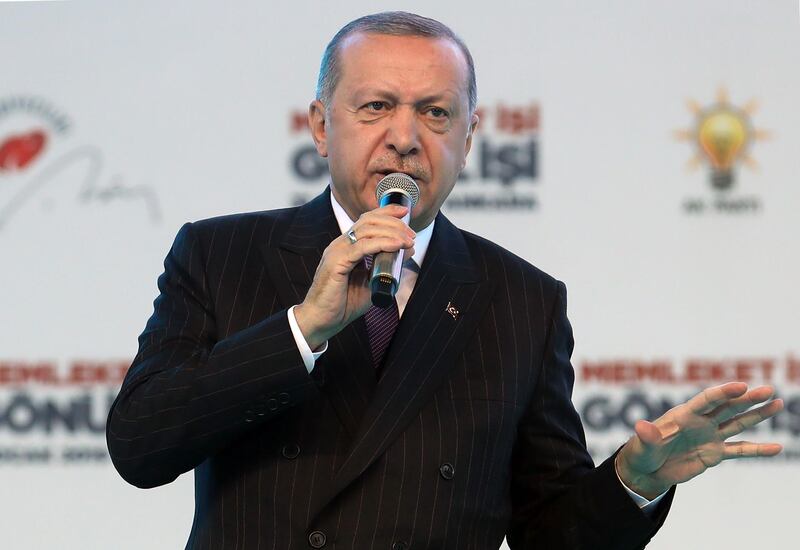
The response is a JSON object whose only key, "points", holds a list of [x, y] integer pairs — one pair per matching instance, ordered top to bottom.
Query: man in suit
{"points": [[312, 420]]}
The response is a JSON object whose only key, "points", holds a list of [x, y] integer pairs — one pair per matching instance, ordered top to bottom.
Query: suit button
{"points": [[283, 398], [272, 404], [248, 415], [290, 451], [447, 471], [316, 539], [399, 545]]}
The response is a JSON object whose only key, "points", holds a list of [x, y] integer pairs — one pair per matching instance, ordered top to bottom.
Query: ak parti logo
{"points": [[723, 135]]}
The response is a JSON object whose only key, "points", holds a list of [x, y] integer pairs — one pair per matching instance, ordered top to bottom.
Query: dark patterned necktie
{"points": [[381, 326]]}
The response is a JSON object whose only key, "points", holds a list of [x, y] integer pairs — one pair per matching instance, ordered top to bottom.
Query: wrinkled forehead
{"points": [[371, 57]]}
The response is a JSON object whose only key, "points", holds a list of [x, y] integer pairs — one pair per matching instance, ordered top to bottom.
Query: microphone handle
{"points": [[387, 266]]}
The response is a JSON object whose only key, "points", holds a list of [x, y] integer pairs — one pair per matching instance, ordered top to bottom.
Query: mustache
{"points": [[413, 168]]}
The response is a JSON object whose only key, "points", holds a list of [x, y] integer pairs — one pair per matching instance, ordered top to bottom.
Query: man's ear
{"points": [[316, 124], [473, 125]]}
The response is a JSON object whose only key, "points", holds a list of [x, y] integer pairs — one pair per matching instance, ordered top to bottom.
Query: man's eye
{"points": [[376, 105], [437, 112]]}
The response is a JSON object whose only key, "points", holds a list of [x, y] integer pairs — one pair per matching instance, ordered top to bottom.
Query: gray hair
{"points": [[395, 23]]}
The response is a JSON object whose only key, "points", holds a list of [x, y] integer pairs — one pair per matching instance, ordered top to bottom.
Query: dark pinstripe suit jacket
{"points": [[469, 435]]}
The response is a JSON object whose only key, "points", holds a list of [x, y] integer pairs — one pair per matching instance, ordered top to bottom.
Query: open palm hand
{"points": [[691, 437]]}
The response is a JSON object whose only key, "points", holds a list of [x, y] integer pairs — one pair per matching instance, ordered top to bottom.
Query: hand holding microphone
{"points": [[341, 290]]}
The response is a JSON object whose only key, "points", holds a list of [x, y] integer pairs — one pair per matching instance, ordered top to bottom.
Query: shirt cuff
{"points": [[309, 357], [646, 506]]}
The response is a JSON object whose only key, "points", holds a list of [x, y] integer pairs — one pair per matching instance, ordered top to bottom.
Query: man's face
{"points": [[401, 105]]}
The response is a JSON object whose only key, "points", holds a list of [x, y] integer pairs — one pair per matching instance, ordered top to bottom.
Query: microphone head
{"points": [[398, 182]]}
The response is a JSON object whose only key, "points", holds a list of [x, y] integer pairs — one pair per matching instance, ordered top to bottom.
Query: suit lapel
{"points": [[292, 257], [424, 348], [345, 370]]}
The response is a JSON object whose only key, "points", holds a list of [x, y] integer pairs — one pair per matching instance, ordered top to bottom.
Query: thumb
{"points": [[648, 433], [651, 434], [637, 452]]}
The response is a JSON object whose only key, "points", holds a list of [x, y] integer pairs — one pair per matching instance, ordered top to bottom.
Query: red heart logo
{"points": [[18, 151]]}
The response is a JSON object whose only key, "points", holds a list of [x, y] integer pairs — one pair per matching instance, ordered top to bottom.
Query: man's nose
{"points": [[402, 134]]}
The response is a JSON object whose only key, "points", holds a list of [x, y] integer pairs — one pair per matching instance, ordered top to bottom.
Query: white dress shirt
{"points": [[408, 279]]}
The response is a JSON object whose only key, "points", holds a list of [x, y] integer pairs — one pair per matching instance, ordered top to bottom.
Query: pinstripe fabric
{"points": [[468, 436]]}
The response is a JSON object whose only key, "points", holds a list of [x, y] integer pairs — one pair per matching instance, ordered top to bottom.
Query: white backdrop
{"points": [[120, 121]]}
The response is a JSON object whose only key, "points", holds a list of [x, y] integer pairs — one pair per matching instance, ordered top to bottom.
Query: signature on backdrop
{"points": [[32, 126]]}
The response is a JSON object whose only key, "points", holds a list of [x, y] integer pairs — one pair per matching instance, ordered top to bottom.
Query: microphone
{"points": [[396, 188]]}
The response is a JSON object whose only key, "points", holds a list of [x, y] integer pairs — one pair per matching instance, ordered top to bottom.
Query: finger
{"points": [[390, 210], [395, 210], [369, 223], [371, 231], [366, 247], [711, 398], [741, 404], [740, 423], [648, 433], [653, 434], [648, 446], [748, 449]]}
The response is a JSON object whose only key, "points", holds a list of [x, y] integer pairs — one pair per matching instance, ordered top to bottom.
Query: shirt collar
{"points": [[421, 241]]}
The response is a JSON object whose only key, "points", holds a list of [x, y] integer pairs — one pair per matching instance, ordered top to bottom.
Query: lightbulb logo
{"points": [[723, 135]]}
